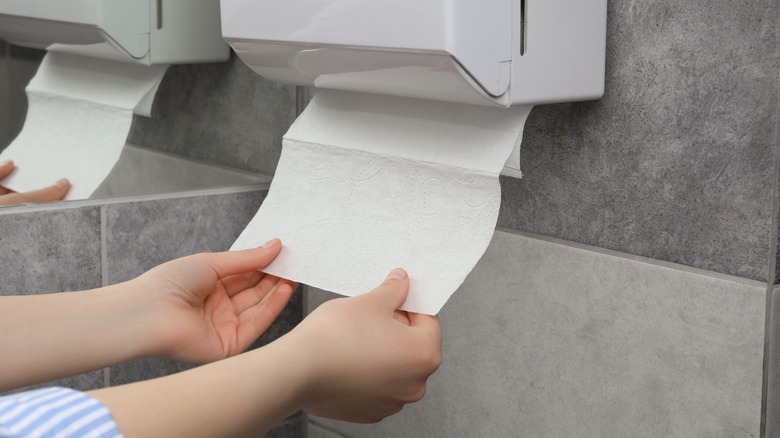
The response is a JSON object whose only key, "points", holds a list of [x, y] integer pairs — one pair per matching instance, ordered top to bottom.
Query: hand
{"points": [[55, 192], [213, 306], [370, 359]]}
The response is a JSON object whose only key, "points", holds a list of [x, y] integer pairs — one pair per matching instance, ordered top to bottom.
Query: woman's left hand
{"points": [[214, 305]]}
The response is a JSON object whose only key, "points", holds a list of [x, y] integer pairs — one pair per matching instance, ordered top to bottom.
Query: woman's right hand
{"points": [[368, 359]]}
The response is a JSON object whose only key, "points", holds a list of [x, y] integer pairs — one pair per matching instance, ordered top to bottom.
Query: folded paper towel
{"points": [[80, 107], [368, 183]]}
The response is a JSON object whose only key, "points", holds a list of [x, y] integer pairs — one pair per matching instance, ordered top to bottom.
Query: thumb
{"points": [[392, 292]]}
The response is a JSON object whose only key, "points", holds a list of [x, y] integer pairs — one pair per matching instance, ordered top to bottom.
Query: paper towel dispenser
{"points": [[146, 31], [489, 52]]}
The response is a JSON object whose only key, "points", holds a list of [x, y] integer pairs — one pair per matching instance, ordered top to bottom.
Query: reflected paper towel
{"points": [[80, 107], [368, 183]]}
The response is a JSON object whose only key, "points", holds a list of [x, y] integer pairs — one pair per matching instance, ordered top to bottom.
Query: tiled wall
{"points": [[676, 161], [75, 246], [550, 339]]}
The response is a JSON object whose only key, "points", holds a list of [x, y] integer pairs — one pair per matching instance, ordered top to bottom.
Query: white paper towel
{"points": [[79, 114], [368, 183]]}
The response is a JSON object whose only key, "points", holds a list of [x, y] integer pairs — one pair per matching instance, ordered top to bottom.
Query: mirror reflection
{"points": [[212, 125]]}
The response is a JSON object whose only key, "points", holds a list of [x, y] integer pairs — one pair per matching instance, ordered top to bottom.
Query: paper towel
{"points": [[80, 108], [368, 183]]}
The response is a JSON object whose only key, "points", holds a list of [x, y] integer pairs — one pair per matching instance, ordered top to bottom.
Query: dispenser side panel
{"points": [[186, 31], [560, 55]]}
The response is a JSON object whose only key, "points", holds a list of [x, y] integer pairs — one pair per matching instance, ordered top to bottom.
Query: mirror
{"points": [[212, 125]]}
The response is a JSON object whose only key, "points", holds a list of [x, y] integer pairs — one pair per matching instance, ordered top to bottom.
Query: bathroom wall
{"points": [[624, 293]]}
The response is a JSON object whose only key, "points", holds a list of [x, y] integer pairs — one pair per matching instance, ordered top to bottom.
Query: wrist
{"points": [[136, 319]]}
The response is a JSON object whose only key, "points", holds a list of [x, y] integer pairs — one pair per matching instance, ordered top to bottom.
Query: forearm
{"points": [[45, 337], [241, 396]]}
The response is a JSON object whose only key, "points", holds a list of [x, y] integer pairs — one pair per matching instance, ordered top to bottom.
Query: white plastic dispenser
{"points": [[487, 52], [420, 106]]}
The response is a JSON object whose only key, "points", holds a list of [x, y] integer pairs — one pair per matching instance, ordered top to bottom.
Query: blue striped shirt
{"points": [[55, 412]]}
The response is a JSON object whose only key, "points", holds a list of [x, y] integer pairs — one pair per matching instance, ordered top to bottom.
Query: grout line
{"points": [[67, 205], [103, 247], [637, 258], [771, 274], [104, 277]]}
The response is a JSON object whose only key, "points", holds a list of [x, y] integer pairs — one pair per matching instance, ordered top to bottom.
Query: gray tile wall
{"points": [[676, 161], [546, 339]]}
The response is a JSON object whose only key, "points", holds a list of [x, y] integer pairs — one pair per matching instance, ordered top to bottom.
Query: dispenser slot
{"points": [[159, 14], [524, 26]]}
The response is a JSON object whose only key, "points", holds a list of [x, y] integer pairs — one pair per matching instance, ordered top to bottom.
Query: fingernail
{"points": [[5, 163], [63, 183], [272, 243], [396, 274]]}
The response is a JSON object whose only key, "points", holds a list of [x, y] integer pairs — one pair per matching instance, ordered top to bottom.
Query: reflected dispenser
{"points": [[141, 31], [105, 62]]}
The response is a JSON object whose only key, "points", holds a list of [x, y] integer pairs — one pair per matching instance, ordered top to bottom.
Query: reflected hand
{"points": [[55, 192], [215, 305]]}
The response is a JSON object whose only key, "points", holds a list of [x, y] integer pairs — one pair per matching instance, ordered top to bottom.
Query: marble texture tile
{"points": [[222, 113], [675, 162], [141, 235], [50, 251], [546, 339]]}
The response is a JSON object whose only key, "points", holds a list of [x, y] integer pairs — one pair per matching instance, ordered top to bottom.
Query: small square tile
{"points": [[141, 235], [50, 251]]}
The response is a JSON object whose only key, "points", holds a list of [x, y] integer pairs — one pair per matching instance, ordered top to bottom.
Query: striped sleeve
{"points": [[55, 413]]}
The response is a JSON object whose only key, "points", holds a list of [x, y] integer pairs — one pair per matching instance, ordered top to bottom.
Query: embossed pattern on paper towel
{"points": [[371, 212]]}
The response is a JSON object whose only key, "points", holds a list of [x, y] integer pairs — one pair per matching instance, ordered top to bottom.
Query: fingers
{"points": [[6, 167], [55, 192], [239, 262], [240, 282], [392, 292], [255, 293], [256, 319], [426, 322]]}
